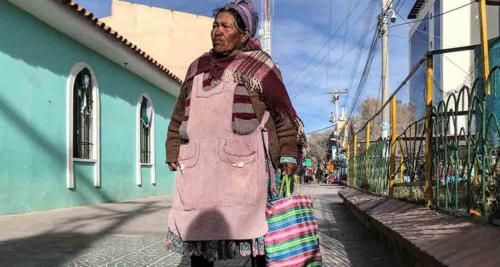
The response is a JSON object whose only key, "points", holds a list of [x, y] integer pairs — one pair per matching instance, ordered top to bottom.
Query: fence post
{"points": [[484, 45], [486, 91], [428, 130], [367, 148], [347, 156], [355, 159], [401, 162], [392, 163]]}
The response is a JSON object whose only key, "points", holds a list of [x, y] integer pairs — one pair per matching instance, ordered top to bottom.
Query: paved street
{"points": [[131, 234]]}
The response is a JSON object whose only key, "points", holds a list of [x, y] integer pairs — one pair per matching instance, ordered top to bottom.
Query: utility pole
{"points": [[267, 6], [386, 16], [335, 99], [340, 121]]}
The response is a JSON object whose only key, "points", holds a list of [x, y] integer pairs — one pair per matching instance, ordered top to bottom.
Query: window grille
{"points": [[82, 115], [145, 131]]}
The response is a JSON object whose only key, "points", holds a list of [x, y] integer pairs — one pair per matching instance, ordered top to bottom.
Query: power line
{"points": [[438, 15], [413, 27], [433, 35], [363, 41], [325, 45], [329, 45], [366, 70], [339, 73], [365, 74], [310, 79], [295, 91], [326, 128]]}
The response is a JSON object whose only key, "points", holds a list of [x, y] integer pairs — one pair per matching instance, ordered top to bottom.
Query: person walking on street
{"points": [[232, 111], [319, 175]]}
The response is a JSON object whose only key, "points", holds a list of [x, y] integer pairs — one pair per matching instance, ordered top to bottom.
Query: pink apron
{"points": [[220, 191]]}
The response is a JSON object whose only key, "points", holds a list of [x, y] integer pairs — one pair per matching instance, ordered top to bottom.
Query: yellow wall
{"points": [[173, 38]]}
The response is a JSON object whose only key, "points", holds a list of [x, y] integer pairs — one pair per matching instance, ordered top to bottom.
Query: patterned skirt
{"points": [[215, 250]]}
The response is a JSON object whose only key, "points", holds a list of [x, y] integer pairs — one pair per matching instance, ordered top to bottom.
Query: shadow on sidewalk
{"points": [[346, 242], [58, 246]]}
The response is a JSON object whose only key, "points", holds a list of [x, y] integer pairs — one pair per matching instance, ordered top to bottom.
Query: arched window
{"points": [[83, 115], [82, 121], [145, 121], [145, 130]]}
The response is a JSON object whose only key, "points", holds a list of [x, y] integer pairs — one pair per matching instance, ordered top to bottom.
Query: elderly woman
{"points": [[232, 126]]}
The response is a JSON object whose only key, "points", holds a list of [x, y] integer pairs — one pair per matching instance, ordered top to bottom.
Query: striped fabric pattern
{"points": [[244, 118], [292, 239]]}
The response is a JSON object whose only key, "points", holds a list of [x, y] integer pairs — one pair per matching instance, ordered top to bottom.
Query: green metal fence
{"points": [[465, 150], [462, 175]]}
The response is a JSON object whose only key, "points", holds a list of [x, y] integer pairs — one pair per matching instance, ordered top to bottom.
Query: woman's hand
{"points": [[173, 166], [288, 168]]}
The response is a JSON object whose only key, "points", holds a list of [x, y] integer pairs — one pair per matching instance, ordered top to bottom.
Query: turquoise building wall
{"points": [[35, 64]]}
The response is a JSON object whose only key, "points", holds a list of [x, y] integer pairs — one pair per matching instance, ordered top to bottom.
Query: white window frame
{"points": [[95, 152], [138, 175]]}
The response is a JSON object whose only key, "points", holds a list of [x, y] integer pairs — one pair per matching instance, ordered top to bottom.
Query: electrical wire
{"points": [[438, 15], [434, 36], [363, 41], [330, 43], [306, 66], [366, 71], [339, 73], [316, 79], [362, 81], [296, 92], [326, 128]]}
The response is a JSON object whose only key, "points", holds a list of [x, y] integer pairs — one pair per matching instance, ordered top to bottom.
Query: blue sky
{"points": [[301, 28]]}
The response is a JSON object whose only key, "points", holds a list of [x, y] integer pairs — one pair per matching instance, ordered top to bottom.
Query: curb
{"points": [[424, 237]]}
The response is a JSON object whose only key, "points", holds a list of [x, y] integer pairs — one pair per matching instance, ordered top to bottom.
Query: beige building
{"points": [[173, 38]]}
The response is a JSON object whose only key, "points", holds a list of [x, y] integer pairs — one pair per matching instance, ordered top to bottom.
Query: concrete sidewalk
{"points": [[131, 234]]}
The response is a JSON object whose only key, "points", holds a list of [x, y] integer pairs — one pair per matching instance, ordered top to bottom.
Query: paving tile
{"points": [[344, 240]]}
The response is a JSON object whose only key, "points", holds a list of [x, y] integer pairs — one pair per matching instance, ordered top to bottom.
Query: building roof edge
{"points": [[76, 22]]}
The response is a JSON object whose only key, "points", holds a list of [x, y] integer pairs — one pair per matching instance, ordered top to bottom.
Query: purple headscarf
{"points": [[246, 10]]}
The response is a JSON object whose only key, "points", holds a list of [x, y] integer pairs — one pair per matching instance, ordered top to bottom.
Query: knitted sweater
{"points": [[248, 109]]}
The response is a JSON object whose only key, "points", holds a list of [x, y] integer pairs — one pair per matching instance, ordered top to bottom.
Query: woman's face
{"points": [[225, 36]]}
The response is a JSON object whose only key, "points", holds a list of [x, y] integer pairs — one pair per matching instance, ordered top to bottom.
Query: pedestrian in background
{"points": [[233, 110], [319, 175]]}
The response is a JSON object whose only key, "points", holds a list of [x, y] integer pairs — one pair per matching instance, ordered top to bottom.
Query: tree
{"points": [[370, 106], [318, 147]]}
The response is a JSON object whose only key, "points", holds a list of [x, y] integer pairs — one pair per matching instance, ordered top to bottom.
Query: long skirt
{"points": [[215, 250]]}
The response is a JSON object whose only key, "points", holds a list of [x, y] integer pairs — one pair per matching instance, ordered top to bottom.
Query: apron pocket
{"points": [[189, 155], [237, 173], [188, 185]]}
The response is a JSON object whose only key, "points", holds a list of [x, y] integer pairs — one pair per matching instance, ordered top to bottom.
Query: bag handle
{"points": [[285, 185], [296, 187]]}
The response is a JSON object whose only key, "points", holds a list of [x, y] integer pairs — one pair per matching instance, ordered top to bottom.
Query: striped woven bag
{"points": [[292, 239]]}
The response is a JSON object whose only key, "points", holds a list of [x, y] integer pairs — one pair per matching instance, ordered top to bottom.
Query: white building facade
{"points": [[443, 24]]}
